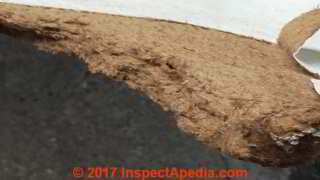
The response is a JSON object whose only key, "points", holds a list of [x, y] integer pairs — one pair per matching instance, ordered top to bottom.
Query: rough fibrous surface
{"points": [[296, 32], [126, 85]]}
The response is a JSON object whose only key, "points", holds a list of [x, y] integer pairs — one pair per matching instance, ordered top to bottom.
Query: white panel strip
{"points": [[254, 18], [308, 56], [316, 84]]}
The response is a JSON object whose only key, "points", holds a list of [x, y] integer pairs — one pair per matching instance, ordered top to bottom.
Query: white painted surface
{"points": [[255, 18], [308, 56], [316, 84]]}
